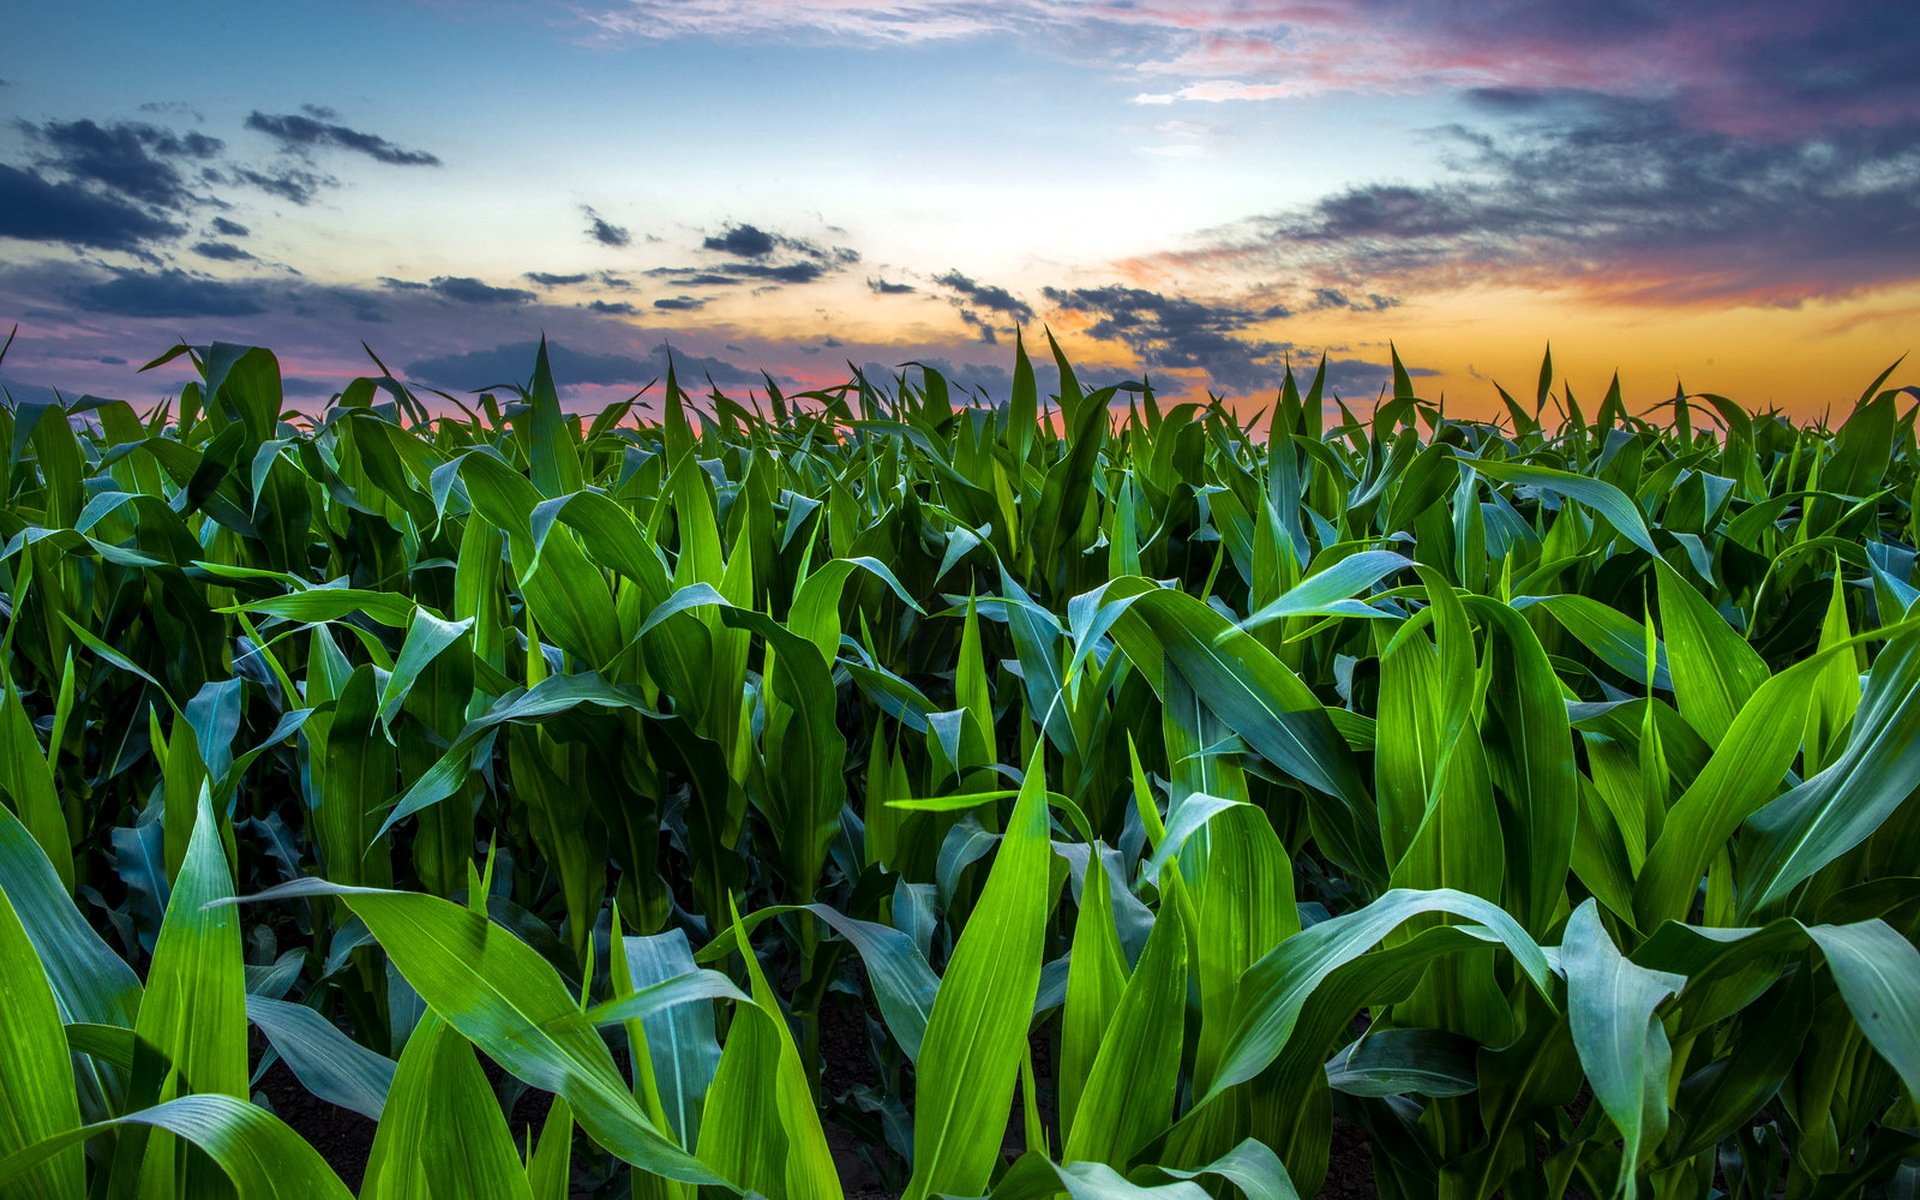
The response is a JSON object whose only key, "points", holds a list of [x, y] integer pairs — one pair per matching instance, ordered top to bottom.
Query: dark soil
{"points": [[846, 1064], [343, 1137], [1349, 1164]]}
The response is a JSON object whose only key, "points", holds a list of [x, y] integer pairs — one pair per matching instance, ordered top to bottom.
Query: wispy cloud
{"points": [[316, 128], [1622, 200], [604, 231], [973, 300]]}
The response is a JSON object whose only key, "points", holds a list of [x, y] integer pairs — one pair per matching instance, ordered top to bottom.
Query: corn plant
{"points": [[877, 790]]}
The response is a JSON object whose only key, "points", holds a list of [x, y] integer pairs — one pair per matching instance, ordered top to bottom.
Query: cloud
{"points": [[897, 21], [1782, 66], [303, 133], [130, 159], [288, 183], [1621, 199], [36, 209], [232, 229], [603, 231], [746, 241], [221, 252], [759, 256], [800, 272], [543, 279], [883, 287], [463, 289], [169, 293], [969, 297], [991, 297], [1325, 298], [680, 303], [613, 308], [1176, 332], [514, 361]]}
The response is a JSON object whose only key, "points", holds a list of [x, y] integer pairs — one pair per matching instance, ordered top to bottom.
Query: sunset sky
{"points": [[1723, 194]]}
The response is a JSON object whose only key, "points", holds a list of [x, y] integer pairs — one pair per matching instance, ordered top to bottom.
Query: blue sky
{"points": [[1201, 192]]}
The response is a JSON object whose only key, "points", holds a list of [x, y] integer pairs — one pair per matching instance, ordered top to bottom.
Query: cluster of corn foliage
{"points": [[1141, 788]]}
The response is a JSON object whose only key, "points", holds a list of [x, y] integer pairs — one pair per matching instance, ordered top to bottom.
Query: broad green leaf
{"points": [[1276, 988], [501, 996], [976, 1034], [1622, 1045], [326, 1061], [36, 1078], [1129, 1094], [760, 1127], [443, 1133], [263, 1158]]}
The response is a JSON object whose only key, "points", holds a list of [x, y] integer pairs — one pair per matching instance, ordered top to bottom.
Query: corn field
{"points": [[875, 791]]}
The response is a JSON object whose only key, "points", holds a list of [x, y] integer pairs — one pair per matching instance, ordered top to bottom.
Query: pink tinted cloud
{"points": [[1779, 68]]}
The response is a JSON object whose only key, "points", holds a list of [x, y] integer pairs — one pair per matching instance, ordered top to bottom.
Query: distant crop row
{"points": [[860, 791]]}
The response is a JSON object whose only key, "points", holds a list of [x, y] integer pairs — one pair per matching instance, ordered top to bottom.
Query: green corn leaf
{"points": [[1610, 502], [1715, 671], [27, 782], [1792, 838], [1096, 976], [91, 984], [1275, 989], [506, 1000], [976, 1034], [1622, 1045], [326, 1061], [36, 1079], [1129, 1094], [760, 1126], [443, 1133], [263, 1158], [550, 1169]]}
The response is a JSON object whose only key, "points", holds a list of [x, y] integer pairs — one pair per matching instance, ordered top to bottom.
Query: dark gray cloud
{"points": [[1777, 69], [314, 129], [130, 159], [289, 183], [1624, 199], [36, 209], [232, 229], [604, 231], [744, 241], [221, 252], [761, 256], [798, 272], [688, 277], [544, 279], [610, 280], [885, 287], [462, 289], [169, 293], [991, 297], [1326, 298], [973, 300], [680, 303], [615, 308], [982, 328], [1178, 332], [112, 360], [513, 362]]}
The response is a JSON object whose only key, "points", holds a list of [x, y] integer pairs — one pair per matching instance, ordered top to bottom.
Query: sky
{"points": [[1719, 195]]}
